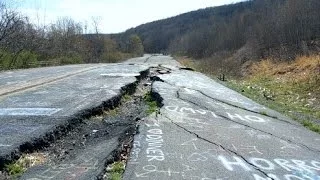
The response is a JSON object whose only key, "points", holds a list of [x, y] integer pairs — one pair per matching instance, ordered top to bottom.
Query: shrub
{"points": [[24, 59]]}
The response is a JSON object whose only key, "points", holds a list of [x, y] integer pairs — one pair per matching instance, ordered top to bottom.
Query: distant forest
{"points": [[246, 31], [227, 36]]}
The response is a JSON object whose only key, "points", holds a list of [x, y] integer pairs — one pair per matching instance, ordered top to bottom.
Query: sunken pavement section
{"points": [[38, 106], [203, 130]]}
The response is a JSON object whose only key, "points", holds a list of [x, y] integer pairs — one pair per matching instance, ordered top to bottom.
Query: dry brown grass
{"points": [[185, 61], [212, 66], [302, 69], [301, 75], [292, 88], [26, 161]]}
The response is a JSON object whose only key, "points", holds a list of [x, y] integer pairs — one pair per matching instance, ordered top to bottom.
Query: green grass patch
{"points": [[282, 97], [126, 98], [285, 98], [152, 104], [153, 107], [113, 112], [264, 113], [311, 126], [15, 169], [116, 170], [116, 176]]}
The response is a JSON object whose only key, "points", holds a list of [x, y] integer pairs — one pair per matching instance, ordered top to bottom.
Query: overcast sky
{"points": [[114, 15]]}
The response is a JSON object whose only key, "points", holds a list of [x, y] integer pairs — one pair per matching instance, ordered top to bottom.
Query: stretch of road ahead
{"points": [[203, 130], [206, 131]]}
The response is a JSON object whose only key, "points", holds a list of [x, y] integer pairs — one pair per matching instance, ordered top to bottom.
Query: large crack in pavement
{"points": [[147, 59], [157, 78], [160, 99], [224, 102], [239, 107], [181, 109], [228, 119], [71, 123], [96, 139], [85, 146], [221, 146]]}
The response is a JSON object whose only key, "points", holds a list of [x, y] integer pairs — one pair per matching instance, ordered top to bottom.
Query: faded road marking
{"points": [[28, 111], [5, 145]]}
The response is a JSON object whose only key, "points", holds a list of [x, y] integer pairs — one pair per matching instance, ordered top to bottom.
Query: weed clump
{"points": [[126, 98], [151, 103], [311, 126], [26, 161], [15, 169], [116, 170]]}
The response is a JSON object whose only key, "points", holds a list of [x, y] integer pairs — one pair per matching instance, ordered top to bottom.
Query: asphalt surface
{"points": [[65, 94], [203, 130], [206, 131]]}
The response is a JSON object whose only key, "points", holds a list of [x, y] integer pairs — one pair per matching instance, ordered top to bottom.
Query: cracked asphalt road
{"points": [[35, 103], [203, 130], [206, 131]]}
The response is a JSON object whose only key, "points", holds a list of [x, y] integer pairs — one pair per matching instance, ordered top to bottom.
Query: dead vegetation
{"points": [[292, 88], [26, 161]]}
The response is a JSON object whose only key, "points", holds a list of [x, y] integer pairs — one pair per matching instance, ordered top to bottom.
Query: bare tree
{"points": [[9, 22], [96, 23]]}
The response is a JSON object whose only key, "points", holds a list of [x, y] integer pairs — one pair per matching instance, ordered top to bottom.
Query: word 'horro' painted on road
{"points": [[233, 116], [292, 169], [297, 169]]}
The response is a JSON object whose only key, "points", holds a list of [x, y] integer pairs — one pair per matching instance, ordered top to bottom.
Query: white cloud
{"points": [[115, 15]]}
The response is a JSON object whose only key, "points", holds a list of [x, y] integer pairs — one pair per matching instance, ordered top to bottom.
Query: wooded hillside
{"points": [[250, 30], [227, 36]]}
